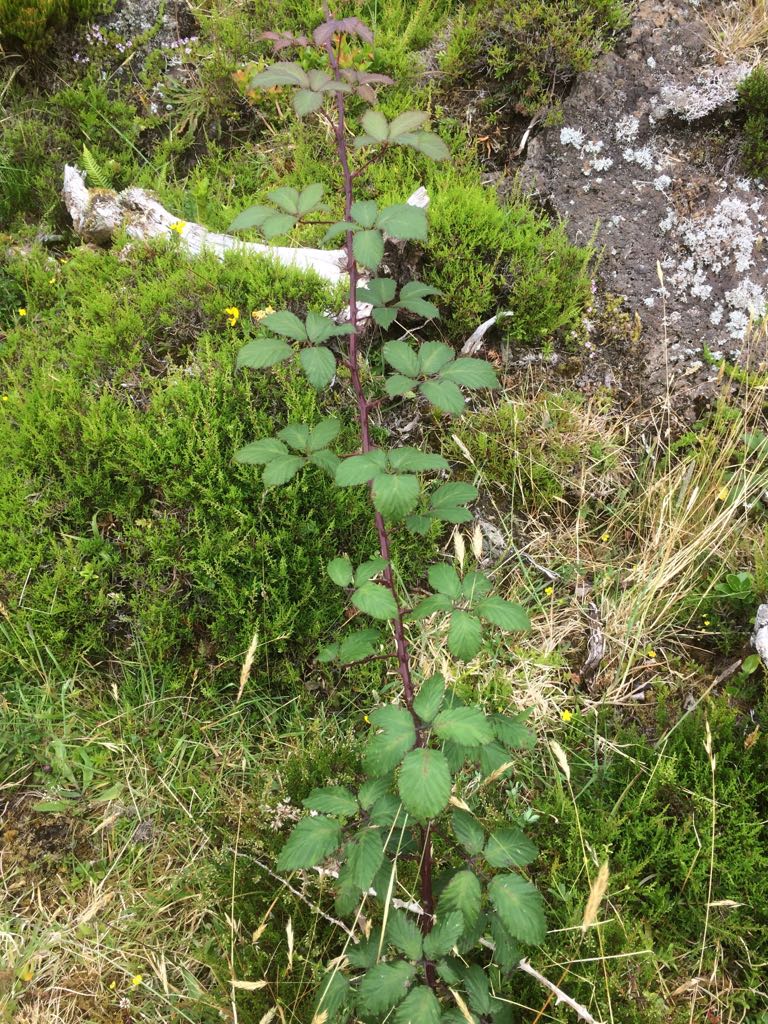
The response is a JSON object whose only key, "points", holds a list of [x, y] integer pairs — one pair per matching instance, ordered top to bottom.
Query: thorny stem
{"points": [[363, 413]]}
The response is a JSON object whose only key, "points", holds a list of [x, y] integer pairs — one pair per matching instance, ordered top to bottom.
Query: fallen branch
{"points": [[98, 213], [560, 996]]}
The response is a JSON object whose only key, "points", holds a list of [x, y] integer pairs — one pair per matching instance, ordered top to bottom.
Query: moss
{"points": [[32, 23], [533, 49], [753, 102], [129, 525]]}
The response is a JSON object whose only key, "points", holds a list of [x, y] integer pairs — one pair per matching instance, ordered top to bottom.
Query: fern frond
{"points": [[97, 176]]}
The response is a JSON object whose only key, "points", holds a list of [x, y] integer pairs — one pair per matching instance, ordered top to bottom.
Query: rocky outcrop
{"points": [[646, 159]]}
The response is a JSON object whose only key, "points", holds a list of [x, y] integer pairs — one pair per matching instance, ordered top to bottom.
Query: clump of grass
{"points": [[534, 48], [753, 101]]}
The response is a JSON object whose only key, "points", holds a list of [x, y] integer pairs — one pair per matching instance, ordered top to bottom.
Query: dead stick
{"points": [[560, 996]]}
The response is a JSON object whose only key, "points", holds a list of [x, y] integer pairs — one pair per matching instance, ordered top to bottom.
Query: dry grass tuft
{"points": [[739, 30]]}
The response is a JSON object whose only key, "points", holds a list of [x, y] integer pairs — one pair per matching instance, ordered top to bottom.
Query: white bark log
{"points": [[98, 213]]}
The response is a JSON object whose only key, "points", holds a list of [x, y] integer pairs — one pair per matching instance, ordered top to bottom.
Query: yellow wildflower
{"points": [[179, 226], [51, 280], [22, 312], [259, 314], [233, 315], [5, 398], [722, 494], [605, 536], [549, 590], [650, 653], [566, 715], [366, 718], [26, 974], [137, 979], [113, 985]]}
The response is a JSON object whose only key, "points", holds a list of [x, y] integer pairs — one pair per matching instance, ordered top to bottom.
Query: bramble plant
{"points": [[412, 826]]}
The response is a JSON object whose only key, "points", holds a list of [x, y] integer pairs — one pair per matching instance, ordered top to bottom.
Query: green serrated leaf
{"points": [[283, 73], [305, 101], [410, 121], [376, 125], [427, 143], [286, 197], [309, 198], [364, 212], [253, 217], [404, 221], [277, 224], [368, 248], [417, 290], [379, 292], [420, 307], [384, 316], [286, 323], [263, 352], [433, 356], [401, 357], [319, 364], [471, 373], [397, 385], [444, 395], [296, 435], [322, 435], [257, 453], [326, 460], [411, 460], [358, 469], [279, 471], [395, 494], [453, 494], [418, 524], [367, 570], [340, 571], [444, 579], [475, 586], [375, 600], [430, 605], [503, 613], [465, 635], [358, 645], [428, 700], [468, 727], [513, 732], [387, 747], [493, 758], [424, 783], [374, 789], [335, 800], [468, 831], [310, 842], [510, 847], [364, 857], [462, 895], [520, 908], [404, 934], [444, 936], [507, 953], [384, 986], [477, 989], [334, 995], [420, 1006]]}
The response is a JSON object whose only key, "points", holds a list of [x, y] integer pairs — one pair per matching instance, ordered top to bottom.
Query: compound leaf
{"points": [[319, 364], [257, 453], [280, 471], [395, 495], [340, 571], [375, 600], [503, 613], [465, 635], [427, 701], [468, 727], [385, 749], [510, 847], [364, 857], [463, 895], [384, 986], [420, 1006]]}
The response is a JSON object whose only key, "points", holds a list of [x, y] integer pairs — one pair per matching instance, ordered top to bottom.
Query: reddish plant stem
{"points": [[363, 411]]}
